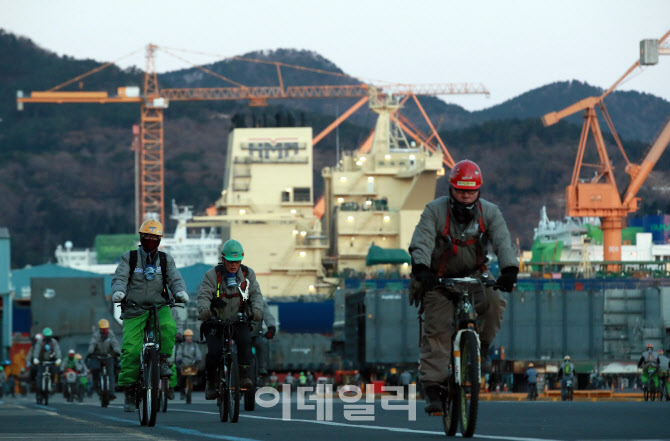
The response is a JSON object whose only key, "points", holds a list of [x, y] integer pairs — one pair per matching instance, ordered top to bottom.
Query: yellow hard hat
{"points": [[152, 226], [103, 324], [188, 332], [567, 357], [530, 365], [393, 370]]}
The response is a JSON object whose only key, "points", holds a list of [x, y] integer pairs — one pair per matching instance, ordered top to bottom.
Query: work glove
{"points": [[423, 274], [507, 280], [118, 296], [181, 296], [204, 314], [257, 315], [272, 330], [36, 361]]}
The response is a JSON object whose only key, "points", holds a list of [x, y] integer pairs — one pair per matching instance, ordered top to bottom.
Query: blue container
{"points": [[306, 317]]}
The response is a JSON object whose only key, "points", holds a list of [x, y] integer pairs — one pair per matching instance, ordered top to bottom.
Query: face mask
{"points": [[149, 246]]}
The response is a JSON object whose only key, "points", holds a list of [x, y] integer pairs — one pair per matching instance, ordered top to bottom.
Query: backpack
{"points": [[163, 262], [567, 369]]}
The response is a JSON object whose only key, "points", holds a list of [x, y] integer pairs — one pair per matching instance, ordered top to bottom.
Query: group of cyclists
{"points": [[145, 277], [46, 351], [655, 367]]}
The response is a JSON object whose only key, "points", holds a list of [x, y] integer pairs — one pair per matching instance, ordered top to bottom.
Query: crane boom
{"points": [[154, 100], [553, 117], [648, 163]]}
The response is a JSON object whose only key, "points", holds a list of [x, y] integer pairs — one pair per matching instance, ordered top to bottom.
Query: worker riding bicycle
{"points": [[450, 241]]}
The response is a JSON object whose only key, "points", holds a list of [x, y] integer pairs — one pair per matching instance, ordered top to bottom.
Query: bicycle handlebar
{"points": [[484, 280], [171, 304]]}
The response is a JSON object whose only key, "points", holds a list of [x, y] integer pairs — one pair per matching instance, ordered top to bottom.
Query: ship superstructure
{"points": [[376, 197], [266, 204]]}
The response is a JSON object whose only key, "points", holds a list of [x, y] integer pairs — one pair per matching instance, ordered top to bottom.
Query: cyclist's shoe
{"points": [[484, 355], [165, 367], [210, 390], [171, 393], [433, 399], [130, 403]]}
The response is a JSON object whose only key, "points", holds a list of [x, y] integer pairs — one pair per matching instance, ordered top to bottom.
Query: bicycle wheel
{"points": [[469, 388], [189, 389], [45, 390], [104, 390], [224, 391], [250, 393], [151, 394], [163, 394], [235, 394], [449, 409]]}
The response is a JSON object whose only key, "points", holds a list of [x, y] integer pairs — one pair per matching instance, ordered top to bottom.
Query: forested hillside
{"points": [[66, 171]]}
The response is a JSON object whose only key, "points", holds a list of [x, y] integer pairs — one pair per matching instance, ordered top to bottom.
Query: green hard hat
{"points": [[232, 251], [47, 332]]}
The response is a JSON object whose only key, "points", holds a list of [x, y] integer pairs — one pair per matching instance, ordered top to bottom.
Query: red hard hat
{"points": [[466, 175]]}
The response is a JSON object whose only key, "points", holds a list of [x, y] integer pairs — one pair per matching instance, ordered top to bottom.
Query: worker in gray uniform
{"points": [[450, 240], [261, 332]]}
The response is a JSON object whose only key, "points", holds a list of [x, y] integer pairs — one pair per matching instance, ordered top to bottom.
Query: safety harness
{"points": [[452, 244], [451, 249], [242, 291]]}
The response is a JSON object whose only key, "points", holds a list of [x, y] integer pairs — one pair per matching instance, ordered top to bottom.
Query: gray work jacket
{"points": [[430, 227], [142, 291], [229, 297], [268, 320], [109, 347]]}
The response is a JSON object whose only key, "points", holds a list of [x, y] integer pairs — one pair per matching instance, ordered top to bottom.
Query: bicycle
{"points": [[188, 372], [104, 380], [46, 381], [148, 384], [71, 386], [650, 386], [163, 391], [532, 391], [460, 392], [230, 393], [250, 394]]}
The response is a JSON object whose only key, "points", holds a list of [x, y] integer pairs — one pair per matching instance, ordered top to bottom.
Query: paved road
{"points": [[22, 419]]}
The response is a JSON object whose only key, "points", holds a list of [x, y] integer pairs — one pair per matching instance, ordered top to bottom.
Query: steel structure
{"points": [[154, 100], [600, 196]]}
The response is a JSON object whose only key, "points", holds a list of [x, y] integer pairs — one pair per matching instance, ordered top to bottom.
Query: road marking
{"points": [[363, 426], [183, 430], [132, 433]]}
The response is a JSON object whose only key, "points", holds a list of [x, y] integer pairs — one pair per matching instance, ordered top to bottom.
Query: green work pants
{"points": [[133, 339]]}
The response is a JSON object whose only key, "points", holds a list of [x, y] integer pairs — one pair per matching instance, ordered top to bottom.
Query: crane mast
{"points": [[154, 100], [599, 197]]}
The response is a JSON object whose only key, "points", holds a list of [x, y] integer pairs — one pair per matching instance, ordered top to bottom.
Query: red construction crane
{"points": [[154, 100], [599, 195]]}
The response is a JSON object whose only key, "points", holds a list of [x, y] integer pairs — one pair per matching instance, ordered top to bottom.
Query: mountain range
{"points": [[66, 171]]}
